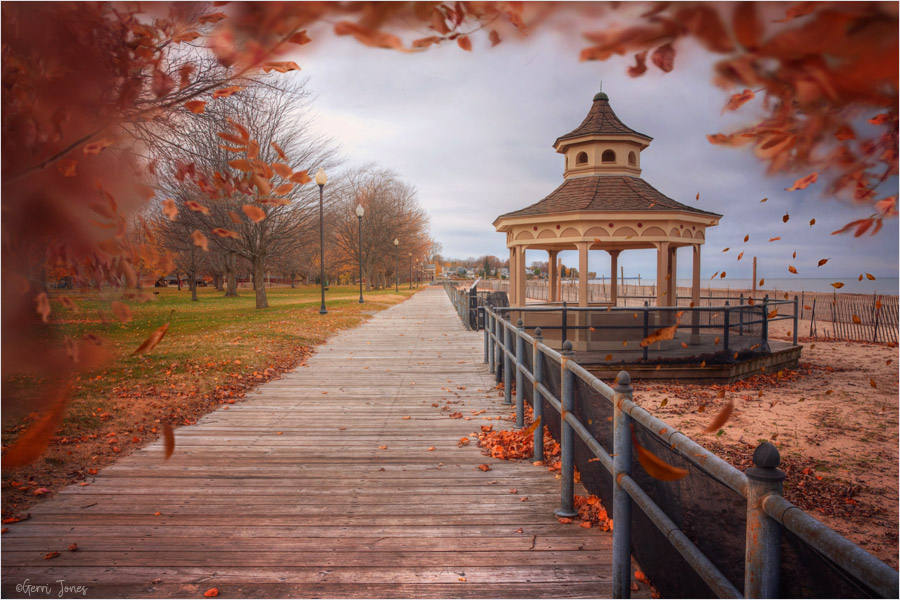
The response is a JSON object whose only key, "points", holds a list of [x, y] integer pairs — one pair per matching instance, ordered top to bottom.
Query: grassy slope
{"points": [[215, 350]]}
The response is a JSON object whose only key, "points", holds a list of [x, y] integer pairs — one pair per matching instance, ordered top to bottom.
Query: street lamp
{"points": [[321, 180], [360, 211], [396, 265]]}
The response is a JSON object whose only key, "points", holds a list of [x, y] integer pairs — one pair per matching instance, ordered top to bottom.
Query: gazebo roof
{"points": [[601, 120], [605, 193]]}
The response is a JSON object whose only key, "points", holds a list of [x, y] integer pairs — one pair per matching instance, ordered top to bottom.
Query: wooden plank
{"points": [[287, 493]]}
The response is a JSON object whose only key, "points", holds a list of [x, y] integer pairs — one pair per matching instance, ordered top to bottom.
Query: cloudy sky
{"points": [[473, 132]]}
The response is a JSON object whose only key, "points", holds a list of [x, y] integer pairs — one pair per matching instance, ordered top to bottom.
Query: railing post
{"points": [[483, 311], [741, 316], [796, 320], [727, 327], [646, 328], [489, 329], [564, 335], [764, 343], [498, 348], [507, 363], [537, 368], [520, 376], [567, 436], [621, 500], [762, 564]]}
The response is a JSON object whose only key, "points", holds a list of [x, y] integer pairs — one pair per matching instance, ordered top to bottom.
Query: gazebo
{"points": [[604, 204]]}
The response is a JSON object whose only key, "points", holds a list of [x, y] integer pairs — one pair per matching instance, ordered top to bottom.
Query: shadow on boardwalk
{"points": [[342, 479]]}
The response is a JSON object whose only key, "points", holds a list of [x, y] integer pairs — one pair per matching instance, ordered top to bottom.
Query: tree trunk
{"points": [[230, 276], [178, 277], [293, 280], [217, 281], [259, 283], [192, 285]]}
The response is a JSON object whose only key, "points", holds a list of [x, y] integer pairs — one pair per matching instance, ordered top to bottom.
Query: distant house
{"points": [[504, 273]]}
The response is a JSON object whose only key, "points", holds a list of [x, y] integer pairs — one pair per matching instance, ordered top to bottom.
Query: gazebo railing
{"points": [[768, 516]]}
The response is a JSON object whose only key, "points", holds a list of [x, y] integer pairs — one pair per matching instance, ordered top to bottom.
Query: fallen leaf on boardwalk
{"points": [[837, 285], [152, 340], [683, 345], [609, 357], [872, 383], [664, 402], [407, 418], [721, 418], [531, 428], [169, 439], [463, 442], [382, 447], [431, 449], [655, 466], [483, 467], [513, 491], [564, 520], [586, 524], [4, 530], [520, 530], [73, 547], [50, 555], [461, 578], [211, 593]]}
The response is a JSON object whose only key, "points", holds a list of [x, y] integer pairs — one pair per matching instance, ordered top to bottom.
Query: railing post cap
{"points": [[520, 324], [538, 333], [567, 347], [623, 382], [766, 459]]}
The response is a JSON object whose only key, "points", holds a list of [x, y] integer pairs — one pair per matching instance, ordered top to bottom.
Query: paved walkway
{"points": [[342, 479]]}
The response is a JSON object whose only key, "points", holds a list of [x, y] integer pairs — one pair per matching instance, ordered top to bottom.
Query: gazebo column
{"points": [[662, 269], [582, 272], [513, 273], [521, 278], [613, 279], [552, 282], [672, 288], [695, 296]]}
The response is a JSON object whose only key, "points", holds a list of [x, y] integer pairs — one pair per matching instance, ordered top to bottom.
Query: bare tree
{"points": [[218, 172]]}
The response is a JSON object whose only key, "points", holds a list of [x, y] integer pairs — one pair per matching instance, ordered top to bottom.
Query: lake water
{"points": [[885, 285]]}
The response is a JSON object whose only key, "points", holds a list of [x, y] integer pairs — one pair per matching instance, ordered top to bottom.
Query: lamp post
{"points": [[321, 180], [360, 211], [397, 265], [410, 270]]}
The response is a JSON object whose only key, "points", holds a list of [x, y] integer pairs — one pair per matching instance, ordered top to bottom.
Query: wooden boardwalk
{"points": [[325, 484]]}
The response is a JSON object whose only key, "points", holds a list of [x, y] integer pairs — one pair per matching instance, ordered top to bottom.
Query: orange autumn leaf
{"points": [[187, 36], [368, 37], [494, 37], [299, 38], [464, 42], [664, 58], [280, 66], [227, 91], [738, 100], [195, 106], [234, 139], [98, 146], [279, 151], [241, 164], [67, 167], [283, 170], [300, 177], [803, 182], [284, 188], [196, 207], [254, 213], [235, 218], [786, 218], [812, 222], [222, 232], [746, 238], [774, 239], [200, 240], [822, 262], [792, 269], [870, 277], [837, 285], [42, 306], [122, 312], [772, 314], [856, 319], [663, 333], [152, 340], [872, 383], [721, 418], [531, 428], [168, 440], [31, 444], [655, 466], [483, 467], [50, 555], [211, 593]]}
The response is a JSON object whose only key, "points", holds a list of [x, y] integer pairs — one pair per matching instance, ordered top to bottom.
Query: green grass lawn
{"points": [[215, 349]]}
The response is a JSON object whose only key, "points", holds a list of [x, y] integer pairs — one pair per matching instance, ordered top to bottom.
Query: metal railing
{"points": [[767, 512]]}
